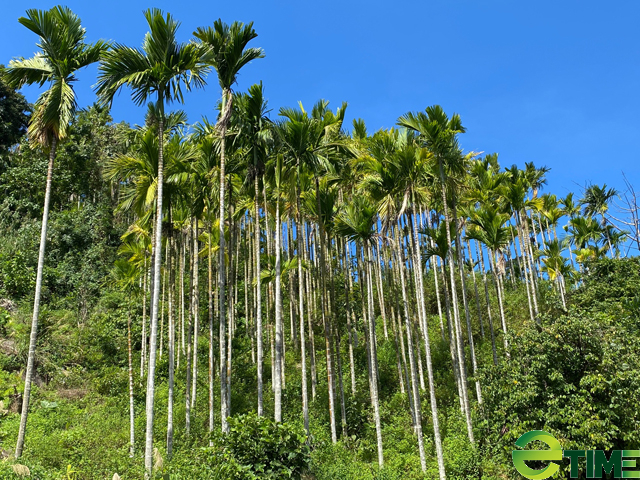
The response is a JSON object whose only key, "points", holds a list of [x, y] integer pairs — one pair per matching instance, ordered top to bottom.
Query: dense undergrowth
{"points": [[577, 375]]}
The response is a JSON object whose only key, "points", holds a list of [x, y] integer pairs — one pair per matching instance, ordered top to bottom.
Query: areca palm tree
{"points": [[224, 48], [63, 53], [160, 67], [255, 130], [438, 134], [309, 143], [394, 177], [596, 202], [356, 223], [491, 230], [555, 265]]}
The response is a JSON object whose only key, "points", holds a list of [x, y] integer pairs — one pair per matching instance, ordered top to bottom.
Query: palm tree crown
{"points": [[63, 52]]}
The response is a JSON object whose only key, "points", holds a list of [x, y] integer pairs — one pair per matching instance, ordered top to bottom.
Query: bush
{"points": [[270, 449]]}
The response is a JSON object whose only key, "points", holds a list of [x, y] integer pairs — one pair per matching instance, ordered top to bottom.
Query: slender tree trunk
{"points": [[460, 255], [183, 260], [346, 265], [434, 267], [528, 272], [496, 276], [231, 281], [475, 289], [454, 296], [486, 296], [311, 297], [163, 301], [381, 302], [196, 313], [278, 318], [259, 334], [211, 336], [33, 337], [143, 340], [303, 340], [427, 346], [172, 348], [372, 353], [188, 356], [412, 365], [224, 406], [131, 409], [148, 451]]}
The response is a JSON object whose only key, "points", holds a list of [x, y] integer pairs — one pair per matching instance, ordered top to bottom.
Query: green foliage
{"points": [[14, 118], [577, 376], [265, 448]]}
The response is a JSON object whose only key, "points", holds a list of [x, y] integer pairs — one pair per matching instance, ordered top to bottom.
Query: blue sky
{"points": [[555, 83]]}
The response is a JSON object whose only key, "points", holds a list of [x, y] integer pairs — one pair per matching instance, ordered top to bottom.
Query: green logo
{"points": [[554, 454], [595, 464]]}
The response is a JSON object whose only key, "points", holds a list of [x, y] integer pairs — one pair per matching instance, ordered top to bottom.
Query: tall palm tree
{"points": [[224, 48], [63, 53], [161, 67], [255, 130], [438, 133], [309, 143], [395, 178], [596, 202], [356, 223], [491, 230]]}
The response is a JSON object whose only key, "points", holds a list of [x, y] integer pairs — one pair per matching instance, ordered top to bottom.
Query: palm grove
{"points": [[310, 254]]}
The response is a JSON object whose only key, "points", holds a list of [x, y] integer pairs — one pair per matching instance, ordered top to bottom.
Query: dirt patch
{"points": [[8, 305], [8, 346], [71, 393], [15, 401]]}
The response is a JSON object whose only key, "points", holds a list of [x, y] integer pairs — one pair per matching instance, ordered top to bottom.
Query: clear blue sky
{"points": [[555, 83]]}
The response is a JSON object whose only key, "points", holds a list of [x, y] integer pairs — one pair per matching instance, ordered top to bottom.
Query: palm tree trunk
{"points": [[460, 255], [183, 260], [346, 262], [434, 267], [528, 272], [378, 275], [496, 276], [231, 281], [292, 286], [475, 289], [454, 296], [486, 296], [311, 299], [163, 301], [196, 313], [278, 319], [326, 320], [259, 335], [211, 336], [33, 337], [143, 340], [303, 340], [427, 347], [172, 348], [372, 353], [188, 356], [412, 365], [224, 406], [131, 409], [148, 451]]}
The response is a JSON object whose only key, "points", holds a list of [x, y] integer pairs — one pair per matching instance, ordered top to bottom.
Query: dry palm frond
{"points": [[157, 460], [21, 470]]}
